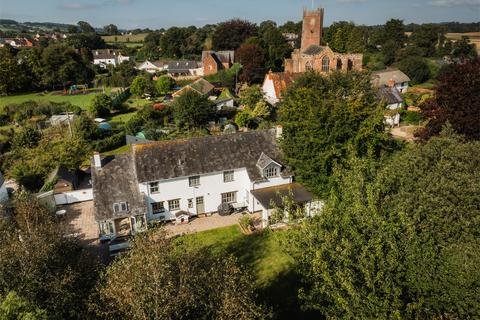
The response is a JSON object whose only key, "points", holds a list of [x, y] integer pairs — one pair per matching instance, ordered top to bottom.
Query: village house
{"points": [[292, 38], [16, 42], [313, 56], [106, 57], [214, 61], [152, 66], [178, 69], [391, 78], [275, 84], [200, 86], [394, 102], [162, 181]]}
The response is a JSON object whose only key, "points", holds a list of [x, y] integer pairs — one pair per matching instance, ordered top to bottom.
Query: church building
{"points": [[313, 56]]}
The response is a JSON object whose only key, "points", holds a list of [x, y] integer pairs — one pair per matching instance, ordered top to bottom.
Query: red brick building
{"points": [[313, 56], [214, 61]]}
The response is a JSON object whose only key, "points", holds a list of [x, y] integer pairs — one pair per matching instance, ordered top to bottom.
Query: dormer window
{"points": [[271, 171]]}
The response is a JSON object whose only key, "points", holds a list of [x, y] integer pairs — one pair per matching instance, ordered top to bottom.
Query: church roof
{"points": [[313, 50]]}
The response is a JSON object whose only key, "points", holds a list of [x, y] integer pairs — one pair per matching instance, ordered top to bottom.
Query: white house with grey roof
{"points": [[105, 57], [391, 78], [158, 181]]}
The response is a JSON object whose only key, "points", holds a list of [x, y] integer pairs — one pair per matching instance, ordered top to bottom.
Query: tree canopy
{"points": [[231, 34], [456, 100], [192, 110], [324, 120], [398, 239], [172, 283]]}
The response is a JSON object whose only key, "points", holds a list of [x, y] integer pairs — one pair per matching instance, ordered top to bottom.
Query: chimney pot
{"points": [[279, 131]]}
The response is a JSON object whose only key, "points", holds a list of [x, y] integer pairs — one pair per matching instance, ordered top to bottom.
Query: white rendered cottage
{"points": [[105, 57], [157, 180]]}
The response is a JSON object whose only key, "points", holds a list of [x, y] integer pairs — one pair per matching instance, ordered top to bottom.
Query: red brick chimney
{"points": [[391, 83]]}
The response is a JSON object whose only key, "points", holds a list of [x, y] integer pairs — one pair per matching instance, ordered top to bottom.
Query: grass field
{"points": [[135, 38], [81, 100], [262, 254]]}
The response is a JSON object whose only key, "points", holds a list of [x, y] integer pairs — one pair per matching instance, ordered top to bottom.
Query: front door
{"points": [[200, 205]]}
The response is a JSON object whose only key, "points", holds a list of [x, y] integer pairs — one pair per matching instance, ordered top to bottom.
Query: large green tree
{"points": [[231, 34], [416, 68], [192, 110], [327, 118], [397, 239], [42, 266], [172, 283]]}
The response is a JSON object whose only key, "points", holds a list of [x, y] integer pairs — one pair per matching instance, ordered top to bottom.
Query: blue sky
{"points": [[166, 13]]}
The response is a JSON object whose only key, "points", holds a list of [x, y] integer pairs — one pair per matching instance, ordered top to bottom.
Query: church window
{"points": [[325, 64], [309, 66]]}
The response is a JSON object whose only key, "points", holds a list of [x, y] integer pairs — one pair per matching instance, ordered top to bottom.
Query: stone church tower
{"points": [[312, 28], [313, 56]]}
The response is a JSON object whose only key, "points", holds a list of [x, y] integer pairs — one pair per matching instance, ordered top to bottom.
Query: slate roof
{"points": [[313, 50], [105, 53], [226, 56], [182, 66], [381, 78], [202, 86], [390, 95], [201, 155], [263, 161], [2, 180], [113, 183], [276, 194]]}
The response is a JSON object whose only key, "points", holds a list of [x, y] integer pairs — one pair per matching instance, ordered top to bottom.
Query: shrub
{"points": [[416, 68]]}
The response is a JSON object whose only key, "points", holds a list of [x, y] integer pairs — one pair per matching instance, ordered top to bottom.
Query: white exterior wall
{"points": [[269, 91], [394, 106], [392, 120], [211, 188], [3, 193], [74, 196]]}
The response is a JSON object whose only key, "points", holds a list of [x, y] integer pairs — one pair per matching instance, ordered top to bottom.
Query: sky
{"points": [[155, 14]]}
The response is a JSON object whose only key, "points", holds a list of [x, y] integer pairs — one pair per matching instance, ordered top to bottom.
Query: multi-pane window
{"points": [[325, 64], [309, 66], [271, 172], [228, 176], [194, 181], [154, 187], [229, 197], [190, 203], [174, 204], [120, 207], [158, 207], [106, 227]]}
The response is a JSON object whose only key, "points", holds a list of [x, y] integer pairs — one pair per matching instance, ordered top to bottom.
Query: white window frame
{"points": [[271, 172], [228, 176], [194, 181], [154, 187], [229, 197], [120, 207], [171, 207], [159, 210]]}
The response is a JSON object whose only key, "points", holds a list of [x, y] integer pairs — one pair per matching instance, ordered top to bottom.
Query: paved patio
{"points": [[80, 222], [203, 223]]}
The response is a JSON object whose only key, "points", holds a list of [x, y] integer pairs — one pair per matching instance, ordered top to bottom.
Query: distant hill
{"points": [[30, 27]]}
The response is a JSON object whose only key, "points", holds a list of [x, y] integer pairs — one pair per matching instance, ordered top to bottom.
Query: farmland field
{"points": [[134, 38]]}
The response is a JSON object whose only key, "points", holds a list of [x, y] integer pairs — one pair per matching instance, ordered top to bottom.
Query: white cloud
{"points": [[453, 3]]}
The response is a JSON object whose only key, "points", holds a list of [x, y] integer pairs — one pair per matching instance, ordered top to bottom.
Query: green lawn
{"points": [[81, 100], [121, 118], [122, 149], [263, 254]]}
